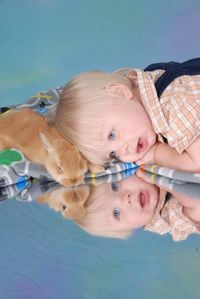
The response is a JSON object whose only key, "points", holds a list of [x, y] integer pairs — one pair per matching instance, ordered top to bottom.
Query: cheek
{"points": [[141, 117], [134, 125], [154, 193], [148, 217], [140, 218], [145, 218], [138, 221]]}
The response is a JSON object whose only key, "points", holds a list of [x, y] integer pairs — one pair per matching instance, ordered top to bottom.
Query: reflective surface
{"points": [[44, 43], [45, 255]]}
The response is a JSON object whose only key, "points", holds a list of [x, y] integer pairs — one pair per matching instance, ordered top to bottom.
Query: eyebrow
{"points": [[103, 136]]}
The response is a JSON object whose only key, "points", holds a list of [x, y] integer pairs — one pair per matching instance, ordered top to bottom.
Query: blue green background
{"points": [[42, 44]]}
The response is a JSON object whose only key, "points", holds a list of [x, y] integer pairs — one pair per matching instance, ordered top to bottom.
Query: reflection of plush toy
{"points": [[27, 131], [70, 202]]}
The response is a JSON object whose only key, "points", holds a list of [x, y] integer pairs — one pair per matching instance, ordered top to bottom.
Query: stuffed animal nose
{"points": [[77, 181], [72, 182]]}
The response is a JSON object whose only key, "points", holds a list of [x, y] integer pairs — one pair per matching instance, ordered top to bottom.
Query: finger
{"points": [[140, 162]]}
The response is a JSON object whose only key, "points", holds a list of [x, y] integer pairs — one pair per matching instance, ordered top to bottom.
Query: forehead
{"points": [[96, 141], [104, 196]]}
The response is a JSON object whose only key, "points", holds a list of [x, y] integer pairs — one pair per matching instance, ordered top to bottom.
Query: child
{"points": [[119, 115], [114, 210]]}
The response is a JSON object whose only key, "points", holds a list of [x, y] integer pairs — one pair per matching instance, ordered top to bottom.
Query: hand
{"points": [[149, 157]]}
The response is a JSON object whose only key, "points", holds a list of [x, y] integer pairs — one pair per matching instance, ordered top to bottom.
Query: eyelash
{"points": [[111, 135], [113, 155], [115, 186], [117, 213]]}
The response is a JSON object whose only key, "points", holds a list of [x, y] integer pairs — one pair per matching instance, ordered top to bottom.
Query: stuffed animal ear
{"points": [[46, 141], [74, 212]]}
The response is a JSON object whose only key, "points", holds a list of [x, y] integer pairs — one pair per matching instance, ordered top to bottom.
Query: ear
{"points": [[120, 90], [45, 139]]}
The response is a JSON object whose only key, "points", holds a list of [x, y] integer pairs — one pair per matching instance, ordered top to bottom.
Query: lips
{"points": [[142, 145], [143, 198]]}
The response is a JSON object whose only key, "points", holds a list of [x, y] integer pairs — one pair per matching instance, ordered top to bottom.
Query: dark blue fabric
{"points": [[172, 71]]}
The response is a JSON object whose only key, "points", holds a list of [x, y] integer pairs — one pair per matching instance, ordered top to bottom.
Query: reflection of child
{"points": [[120, 115], [114, 210]]}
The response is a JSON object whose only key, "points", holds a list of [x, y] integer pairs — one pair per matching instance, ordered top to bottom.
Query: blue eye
{"points": [[111, 135], [113, 155], [115, 186], [117, 213]]}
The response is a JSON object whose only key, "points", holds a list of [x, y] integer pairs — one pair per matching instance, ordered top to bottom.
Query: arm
{"points": [[163, 154], [169, 157], [191, 206]]}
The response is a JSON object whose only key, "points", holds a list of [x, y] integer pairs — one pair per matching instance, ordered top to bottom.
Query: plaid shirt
{"points": [[176, 115], [169, 218]]}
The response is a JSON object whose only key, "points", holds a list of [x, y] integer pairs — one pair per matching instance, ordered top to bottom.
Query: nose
{"points": [[127, 148], [123, 149], [126, 197]]}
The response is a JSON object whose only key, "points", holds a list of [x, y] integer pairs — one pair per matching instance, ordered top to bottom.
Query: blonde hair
{"points": [[81, 111], [95, 221]]}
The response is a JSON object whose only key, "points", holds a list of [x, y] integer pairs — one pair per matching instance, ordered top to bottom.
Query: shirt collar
{"points": [[150, 100]]}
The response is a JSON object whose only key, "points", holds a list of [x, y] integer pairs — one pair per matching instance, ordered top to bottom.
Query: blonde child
{"points": [[119, 115], [116, 209]]}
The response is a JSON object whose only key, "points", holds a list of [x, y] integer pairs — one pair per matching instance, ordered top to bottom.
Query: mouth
{"points": [[142, 145], [143, 198]]}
